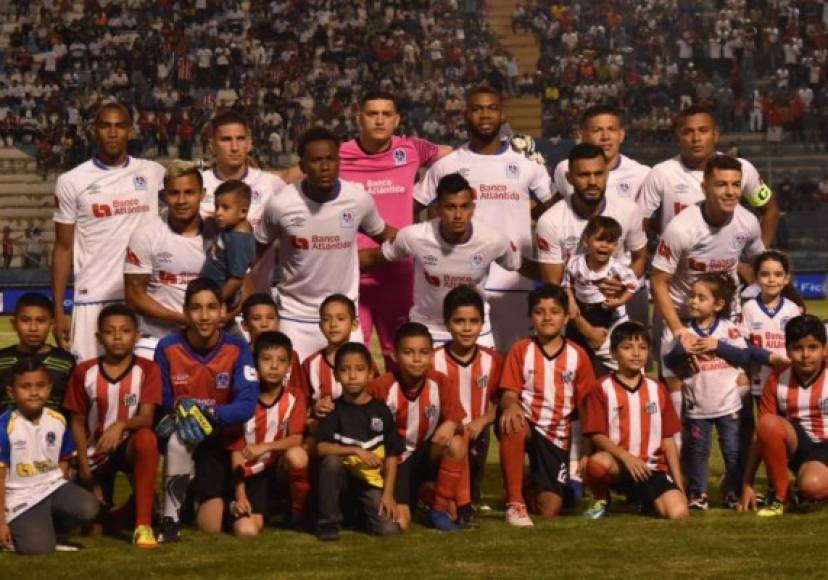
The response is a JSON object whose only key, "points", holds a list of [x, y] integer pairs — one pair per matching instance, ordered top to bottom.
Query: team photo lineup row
{"points": [[312, 226]]}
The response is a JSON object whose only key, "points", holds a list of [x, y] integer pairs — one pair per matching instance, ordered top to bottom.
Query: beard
{"points": [[484, 136]]}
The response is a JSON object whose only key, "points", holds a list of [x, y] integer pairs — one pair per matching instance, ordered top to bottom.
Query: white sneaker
{"points": [[516, 515]]}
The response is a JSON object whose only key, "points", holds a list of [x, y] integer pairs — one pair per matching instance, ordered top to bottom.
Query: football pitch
{"points": [[718, 543]]}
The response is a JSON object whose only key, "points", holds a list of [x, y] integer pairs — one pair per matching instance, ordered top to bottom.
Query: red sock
{"points": [[771, 435], [145, 448], [512, 449], [448, 479], [597, 479], [299, 489], [425, 493], [463, 496]]}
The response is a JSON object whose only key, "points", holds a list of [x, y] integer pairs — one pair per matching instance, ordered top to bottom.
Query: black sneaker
{"points": [[731, 501], [699, 502], [467, 518], [169, 531], [327, 534]]}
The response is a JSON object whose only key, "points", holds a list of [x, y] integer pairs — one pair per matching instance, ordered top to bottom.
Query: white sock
{"points": [[677, 399], [575, 451], [178, 469]]}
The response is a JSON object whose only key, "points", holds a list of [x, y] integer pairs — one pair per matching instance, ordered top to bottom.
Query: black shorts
{"points": [[806, 450], [548, 463], [105, 472], [213, 472], [413, 472], [256, 488], [644, 493]]}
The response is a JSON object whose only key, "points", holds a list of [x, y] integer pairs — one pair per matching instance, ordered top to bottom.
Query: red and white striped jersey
{"points": [[319, 379], [476, 379], [550, 387], [105, 400], [805, 404], [418, 414], [279, 420], [637, 420]]}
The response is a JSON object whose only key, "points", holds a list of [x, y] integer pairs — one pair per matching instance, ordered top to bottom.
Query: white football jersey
{"points": [[624, 180], [505, 184], [264, 185], [672, 186], [105, 204], [560, 229], [317, 245], [690, 247], [172, 261], [440, 266], [584, 281], [766, 328], [713, 391]]}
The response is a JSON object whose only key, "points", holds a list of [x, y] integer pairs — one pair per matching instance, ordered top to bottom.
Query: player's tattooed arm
{"points": [[62, 254], [135, 288]]}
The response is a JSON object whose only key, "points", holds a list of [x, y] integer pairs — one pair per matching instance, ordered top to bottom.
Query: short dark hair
{"points": [[483, 90], [378, 95], [112, 105], [602, 109], [691, 111], [228, 117], [315, 134], [585, 151], [722, 163], [452, 183], [235, 186], [607, 228], [202, 284], [722, 286], [789, 291], [548, 292], [459, 296], [257, 299], [339, 299], [35, 300], [117, 309], [803, 326], [409, 330], [629, 330], [272, 339], [352, 348], [28, 364]]}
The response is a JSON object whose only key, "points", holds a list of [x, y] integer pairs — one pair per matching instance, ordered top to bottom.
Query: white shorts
{"points": [[508, 318], [306, 336], [83, 340]]}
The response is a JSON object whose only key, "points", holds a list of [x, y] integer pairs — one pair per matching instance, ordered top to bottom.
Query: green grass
{"points": [[718, 543]]}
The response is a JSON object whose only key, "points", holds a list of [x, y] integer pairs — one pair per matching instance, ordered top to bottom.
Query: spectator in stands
{"points": [[8, 247], [33, 248]]}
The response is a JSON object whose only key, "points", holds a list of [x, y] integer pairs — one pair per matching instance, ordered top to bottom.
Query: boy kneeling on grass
{"points": [[631, 422], [34, 486]]}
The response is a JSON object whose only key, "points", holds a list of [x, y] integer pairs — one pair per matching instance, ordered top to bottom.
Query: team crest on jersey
{"points": [[400, 156], [512, 170], [140, 183], [623, 189], [255, 195], [346, 219], [739, 241], [477, 260], [568, 376], [223, 381], [483, 382], [130, 400], [823, 405], [651, 408], [431, 411], [377, 424], [283, 426], [51, 438]]}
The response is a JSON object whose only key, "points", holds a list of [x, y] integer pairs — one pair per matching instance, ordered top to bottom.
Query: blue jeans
{"points": [[697, 440]]}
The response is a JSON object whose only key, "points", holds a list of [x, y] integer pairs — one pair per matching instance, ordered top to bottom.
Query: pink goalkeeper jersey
{"points": [[388, 176]]}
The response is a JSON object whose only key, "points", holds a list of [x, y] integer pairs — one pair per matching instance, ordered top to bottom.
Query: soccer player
{"points": [[386, 165], [677, 183], [507, 184], [98, 205], [315, 223], [706, 237], [450, 250], [164, 255], [32, 321], [476, 369], [210, 376], [545, 378], [112, 400], [428, 415], [631, 422], [791, 433], [270, 443], [359, 449], [34, 470]]}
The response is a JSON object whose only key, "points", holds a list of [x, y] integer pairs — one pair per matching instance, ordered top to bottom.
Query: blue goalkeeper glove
{"points": [[195, 421], [166, 427]]}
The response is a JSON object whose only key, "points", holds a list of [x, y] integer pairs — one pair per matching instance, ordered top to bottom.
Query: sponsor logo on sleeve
{"points": [[250, 373]]}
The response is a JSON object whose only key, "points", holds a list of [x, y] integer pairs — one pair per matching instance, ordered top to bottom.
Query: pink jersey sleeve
{"points": [[426, 150]]}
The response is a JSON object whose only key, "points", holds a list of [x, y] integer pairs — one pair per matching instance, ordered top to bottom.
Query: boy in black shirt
{"points": [[358, 449]]}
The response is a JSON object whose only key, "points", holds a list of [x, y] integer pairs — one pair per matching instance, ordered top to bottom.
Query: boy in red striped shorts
{"points": [[545, 378], [112, 400], [631, 422], [270, 443]]}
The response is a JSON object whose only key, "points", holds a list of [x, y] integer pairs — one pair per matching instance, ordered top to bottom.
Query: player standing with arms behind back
{"points": [[98, 204]]}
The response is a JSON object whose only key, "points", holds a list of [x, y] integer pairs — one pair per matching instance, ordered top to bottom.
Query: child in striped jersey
{"points": [[259, 314], [476, 369], [112, 400], [631, 421], [270, 443]]}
